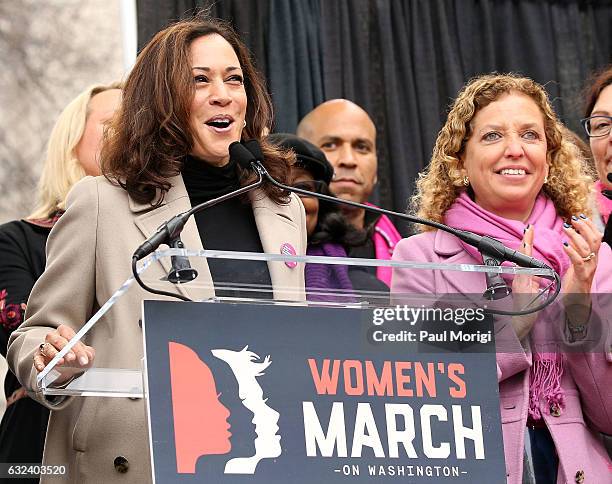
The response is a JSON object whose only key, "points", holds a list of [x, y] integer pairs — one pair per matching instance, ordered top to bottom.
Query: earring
{"points": [[244, 124], [545, 179], [466, 181]]}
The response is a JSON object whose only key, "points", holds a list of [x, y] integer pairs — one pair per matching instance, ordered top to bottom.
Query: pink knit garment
{"points": [[547, 369]]}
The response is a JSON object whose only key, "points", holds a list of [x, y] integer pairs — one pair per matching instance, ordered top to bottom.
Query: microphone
{"points": [[255, 148], [244, 156], [165, 233], [497, 250]]}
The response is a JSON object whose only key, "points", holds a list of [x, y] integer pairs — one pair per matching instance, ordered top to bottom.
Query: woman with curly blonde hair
{"points": [[502, 167], [444, 179]]}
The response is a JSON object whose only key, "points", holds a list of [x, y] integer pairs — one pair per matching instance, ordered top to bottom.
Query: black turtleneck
{"points": [[229, 225]]}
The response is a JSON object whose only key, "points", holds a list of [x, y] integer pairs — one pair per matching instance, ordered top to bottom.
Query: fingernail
{"points": [[583, 216], [574, 218], [566, 225], [565, 243], [83, 360]]}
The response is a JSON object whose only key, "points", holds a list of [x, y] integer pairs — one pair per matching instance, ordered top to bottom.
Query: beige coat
{"points": [[88, 257]]}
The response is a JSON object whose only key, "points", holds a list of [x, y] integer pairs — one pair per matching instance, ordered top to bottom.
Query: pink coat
{"points": [[385, 238], [586, 381]]}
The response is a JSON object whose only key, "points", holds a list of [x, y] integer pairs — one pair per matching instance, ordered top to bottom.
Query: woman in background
{"points": [[597, 124], [72, 153], [501, 167]]}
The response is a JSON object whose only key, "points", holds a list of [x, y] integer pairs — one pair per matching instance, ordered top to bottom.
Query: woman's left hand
{"points": [[582, 247]]}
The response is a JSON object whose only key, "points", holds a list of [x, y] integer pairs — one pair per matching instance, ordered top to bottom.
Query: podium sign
{"points": [[296, 394]]}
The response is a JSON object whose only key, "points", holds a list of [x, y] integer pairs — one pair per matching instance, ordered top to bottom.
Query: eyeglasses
{"points": [[596, 126], [312, 186]]}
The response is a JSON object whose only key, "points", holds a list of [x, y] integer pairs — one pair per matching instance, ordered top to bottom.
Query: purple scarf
{"points": [[326, 277], [547, 369]]}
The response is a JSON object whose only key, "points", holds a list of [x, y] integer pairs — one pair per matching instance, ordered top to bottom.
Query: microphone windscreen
{"points": [[253, 146], [241, 155]]}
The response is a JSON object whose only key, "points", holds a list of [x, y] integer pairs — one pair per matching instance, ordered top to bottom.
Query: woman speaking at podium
{"points": [[192, 92], [501, 167]]}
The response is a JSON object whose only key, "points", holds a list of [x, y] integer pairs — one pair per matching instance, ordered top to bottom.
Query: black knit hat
{"points": [[308, 155]]}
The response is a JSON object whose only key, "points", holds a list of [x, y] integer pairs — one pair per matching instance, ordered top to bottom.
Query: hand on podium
{"points": [[80, 356]]}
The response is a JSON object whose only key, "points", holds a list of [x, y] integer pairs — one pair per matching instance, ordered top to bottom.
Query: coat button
{"points": [[555, 410], [121, 464], [579, 477]]}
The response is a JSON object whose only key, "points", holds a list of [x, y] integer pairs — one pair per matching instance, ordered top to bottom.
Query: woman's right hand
{"points": [[524, 288], [79, 356]]}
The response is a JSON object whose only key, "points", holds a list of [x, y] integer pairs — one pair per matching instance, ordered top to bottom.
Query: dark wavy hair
{"points": [[597, 83], [150, 135], [332, 225]]}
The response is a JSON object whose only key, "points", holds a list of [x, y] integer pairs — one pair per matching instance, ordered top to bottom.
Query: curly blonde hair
{"points": [[441, 183]]}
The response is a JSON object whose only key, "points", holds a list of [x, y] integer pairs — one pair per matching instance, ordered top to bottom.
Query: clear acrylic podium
{"points": [[128, 382]]}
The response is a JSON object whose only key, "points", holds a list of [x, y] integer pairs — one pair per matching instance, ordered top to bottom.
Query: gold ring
{"points": [[589, 257], [41, 348]]}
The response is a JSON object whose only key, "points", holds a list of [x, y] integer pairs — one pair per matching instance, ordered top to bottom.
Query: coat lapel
{"points": [[148, 220], [277, 226]]}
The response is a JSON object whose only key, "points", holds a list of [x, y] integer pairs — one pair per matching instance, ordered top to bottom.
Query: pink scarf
{"points": [[604, 204], [465, 214], [547, 369]]}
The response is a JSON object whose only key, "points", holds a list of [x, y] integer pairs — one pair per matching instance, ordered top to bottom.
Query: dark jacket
{"points": [[22, 261]]}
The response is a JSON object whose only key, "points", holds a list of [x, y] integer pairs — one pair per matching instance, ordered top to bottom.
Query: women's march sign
{"points": [[277, 394]]}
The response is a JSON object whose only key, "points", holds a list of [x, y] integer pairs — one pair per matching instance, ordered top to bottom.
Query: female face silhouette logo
{"points": [[247, 368], [200, 419]]}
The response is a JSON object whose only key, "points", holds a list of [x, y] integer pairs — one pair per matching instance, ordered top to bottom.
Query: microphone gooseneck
{"points": [[172, 229], [169, 232], [483, 243], [493, 250]]}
